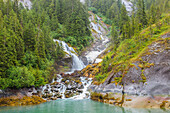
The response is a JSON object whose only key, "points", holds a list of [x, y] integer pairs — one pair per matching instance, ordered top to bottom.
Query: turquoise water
{"points": [[75, 106]]}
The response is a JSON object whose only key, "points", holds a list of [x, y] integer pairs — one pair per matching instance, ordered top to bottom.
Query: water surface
{"points": [[75, 106]]}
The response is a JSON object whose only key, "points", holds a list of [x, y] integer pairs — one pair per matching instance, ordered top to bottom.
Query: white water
{"points": [[82, 1], [26, 3], [128, 5], [95, 27], [99, 35], [77, 63], [86, 83], [60, 89]]}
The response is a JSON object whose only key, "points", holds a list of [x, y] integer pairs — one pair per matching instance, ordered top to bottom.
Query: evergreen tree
{"points": [[141, 14], [54, 22], [17, 29], [115, 35], [29, 37], [3, 49]]}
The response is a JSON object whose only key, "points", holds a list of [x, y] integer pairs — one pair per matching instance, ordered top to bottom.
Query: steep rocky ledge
{"points": [[146, 82]]}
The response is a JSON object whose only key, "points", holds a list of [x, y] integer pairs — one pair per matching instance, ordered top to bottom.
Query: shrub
{"points": [[93, 9], [30, 59], [19, 77], [41, 77], [4, 83]]}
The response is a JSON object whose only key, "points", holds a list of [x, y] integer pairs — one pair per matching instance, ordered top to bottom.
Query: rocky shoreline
{"points": [[63, 86], [17, 101], [132, 101]]}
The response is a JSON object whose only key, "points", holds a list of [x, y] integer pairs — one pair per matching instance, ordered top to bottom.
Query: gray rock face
{"points": [[84, 59], [157, 75], [1, 92]]}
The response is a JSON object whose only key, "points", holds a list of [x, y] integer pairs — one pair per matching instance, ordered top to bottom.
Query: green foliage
{"points": [[93, 9], [26, 38], [130, 50], [60, 53], [30, 59], [105, 65], [19, 77], [100, 77]]}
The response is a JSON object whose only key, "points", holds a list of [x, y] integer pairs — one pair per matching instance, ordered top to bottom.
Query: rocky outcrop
{"points": [[64, 65], [148, 76], [65, 86], [132, 101]]}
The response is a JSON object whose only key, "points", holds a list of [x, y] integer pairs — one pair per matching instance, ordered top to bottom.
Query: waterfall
{"points": [[26, 3], [128, 5], [96, 28], [77, 63], [59, 88], [85, 94]]}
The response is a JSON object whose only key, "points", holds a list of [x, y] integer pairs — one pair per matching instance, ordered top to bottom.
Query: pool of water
{"points": [[76, 106]]}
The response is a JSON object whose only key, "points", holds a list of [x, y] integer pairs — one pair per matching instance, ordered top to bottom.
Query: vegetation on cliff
{"points": [[130, 36], [27, 49]]}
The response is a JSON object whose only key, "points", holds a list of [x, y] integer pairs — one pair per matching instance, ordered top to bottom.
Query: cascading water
{"points": [[26, 3], [128, 4], [96, 28], [101, 40], [77, 63], [60, 87], [66, 87], [57, 89], [85, 94]]}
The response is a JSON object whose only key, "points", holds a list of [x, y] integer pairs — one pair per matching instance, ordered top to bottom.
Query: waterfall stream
{"points": [[77, 63], [64, 86], [76, 87]]}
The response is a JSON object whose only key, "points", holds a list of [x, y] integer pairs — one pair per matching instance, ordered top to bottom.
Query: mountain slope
{"points": [[139, 66]]}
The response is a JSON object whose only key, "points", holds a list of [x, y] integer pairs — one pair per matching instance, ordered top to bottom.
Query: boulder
{"points": [[80, 90]]}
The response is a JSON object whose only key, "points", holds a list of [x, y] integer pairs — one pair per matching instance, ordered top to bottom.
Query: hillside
{"points": [[80, 51], [139, 66]]}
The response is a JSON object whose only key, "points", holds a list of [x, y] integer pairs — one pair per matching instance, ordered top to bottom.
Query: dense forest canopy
{"points": [[126, 24], [26, 38], [27, 49]]}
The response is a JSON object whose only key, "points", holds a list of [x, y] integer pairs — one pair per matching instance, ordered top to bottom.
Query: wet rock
{"points": [[84, 59], [62, 74], [67, 82], [55, 83], [80, 86], [69, 87], [74, 87], [30, 90], [54, 90], [80, 90], [46, 91], [56, 94], [68, 94], [49, 95], [44, 96], [60, 96], [53, 98]]}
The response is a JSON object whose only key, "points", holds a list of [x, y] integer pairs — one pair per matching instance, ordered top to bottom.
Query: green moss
{"points": [[122, 58]]}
